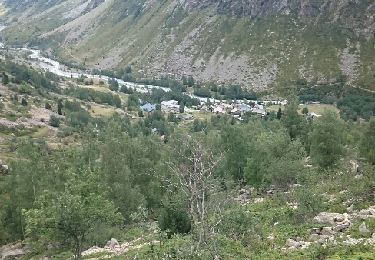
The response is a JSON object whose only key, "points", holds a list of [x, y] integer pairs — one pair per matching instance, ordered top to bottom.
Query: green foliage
{"points": [[23, 74], [5, 79], [113, 85], [94, 96], [24, 102], [353, 103], [48, 106], [305, 111], [291, 119], [54, 121], [327, 140], [368, 141], [70, 215], [174, 218]]}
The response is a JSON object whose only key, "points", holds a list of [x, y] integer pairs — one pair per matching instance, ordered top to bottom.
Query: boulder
{"points": [[354, 166], [4, 169], [367, 213], [329, 218], [341, 227], [363, 229], [327, 231], [314, 237], [112, 243], [292, 244], [12, 251]]}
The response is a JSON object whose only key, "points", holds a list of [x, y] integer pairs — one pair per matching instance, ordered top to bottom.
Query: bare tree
{"points": [[193, 172]]}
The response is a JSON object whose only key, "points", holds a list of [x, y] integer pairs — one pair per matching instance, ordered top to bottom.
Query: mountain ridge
{"points": [[258, 44]]}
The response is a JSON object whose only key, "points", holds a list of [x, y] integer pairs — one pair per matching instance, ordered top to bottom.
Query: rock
{"points": [[354, 166], [4, 169], [245, 192], [258, 200], [367, 213], [329, 218], [342, 226], [363, 229], [327, 231], [314, 237], [323, 239], [353, 241], [371, 241], [112, 243], [293, 244], [306, 245], [12, 251]]}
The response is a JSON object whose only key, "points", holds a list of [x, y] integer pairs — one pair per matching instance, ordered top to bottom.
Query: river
{"points": [[61, 70]]}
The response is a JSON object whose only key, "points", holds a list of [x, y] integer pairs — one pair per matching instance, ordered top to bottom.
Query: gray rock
{"points": [[4, 169], [329, 218], [341, 227], [363, 229], [327, 231], [314, 237], [112, 243], [293, 244]]}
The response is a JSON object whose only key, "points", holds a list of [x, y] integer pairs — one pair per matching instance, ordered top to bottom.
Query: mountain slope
{"points": [[255, 43]]}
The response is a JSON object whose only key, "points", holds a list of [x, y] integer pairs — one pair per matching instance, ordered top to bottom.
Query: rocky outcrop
{"points": [[4, 169], [334, 229], [113, 247], [13, 251]]}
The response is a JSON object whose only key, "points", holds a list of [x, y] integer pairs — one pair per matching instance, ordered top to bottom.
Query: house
{"points": [[170, 106], [148, 107], [243, 108], [220, 109], [259, 110]]}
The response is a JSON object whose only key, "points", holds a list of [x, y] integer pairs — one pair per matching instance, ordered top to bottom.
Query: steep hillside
{"points": [[255, 43]]}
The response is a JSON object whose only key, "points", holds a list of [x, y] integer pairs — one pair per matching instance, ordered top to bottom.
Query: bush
{"points": [[54, 121]]}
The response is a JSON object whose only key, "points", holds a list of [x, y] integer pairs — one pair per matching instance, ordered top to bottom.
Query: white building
{"points": [[170, 106]]}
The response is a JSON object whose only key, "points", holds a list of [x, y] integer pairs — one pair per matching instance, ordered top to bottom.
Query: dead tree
{"points": [[193, 173]]}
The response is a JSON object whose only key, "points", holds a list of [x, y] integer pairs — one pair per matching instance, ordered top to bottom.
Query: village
{"points": [[237, 109]]}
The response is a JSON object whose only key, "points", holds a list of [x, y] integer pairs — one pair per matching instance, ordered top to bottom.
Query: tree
{"points": [[5, 79], [190, 81], [113, 85], [117, 101], [24, 102], [48, 106], [59, 107], [182, 108], [305, 111], [140, 113], [279, 113], [291, 119], [54, 121], [327, 140], [368, 142], [193, 174], [71, 215]]}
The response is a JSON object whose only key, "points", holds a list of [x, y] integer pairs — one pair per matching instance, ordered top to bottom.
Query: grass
{"points": [[313, 108], [101, 110], [43, 132]]}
